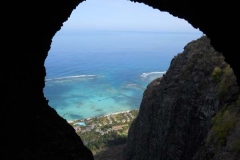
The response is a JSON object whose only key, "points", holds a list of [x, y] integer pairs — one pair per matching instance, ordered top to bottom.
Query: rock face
{"points": [[176, 111], [30, 128]]}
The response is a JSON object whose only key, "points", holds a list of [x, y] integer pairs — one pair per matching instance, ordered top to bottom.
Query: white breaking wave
{"points": [[145, 75], [74, 77], [133, 85]]}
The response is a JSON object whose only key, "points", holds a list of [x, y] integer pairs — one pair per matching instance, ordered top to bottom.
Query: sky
{"points": [[123, 15]]}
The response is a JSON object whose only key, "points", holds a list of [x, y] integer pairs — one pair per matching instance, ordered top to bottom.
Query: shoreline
{"points": [[115, 113]]}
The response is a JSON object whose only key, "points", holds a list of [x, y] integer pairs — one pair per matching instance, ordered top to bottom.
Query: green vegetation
{"points": [[217, 74], [227, 80], [223, 123], [105, 131], [224, 132], [103, 141]]}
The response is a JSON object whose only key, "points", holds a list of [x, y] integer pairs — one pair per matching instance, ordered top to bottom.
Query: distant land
{"points": [[100, 133]]}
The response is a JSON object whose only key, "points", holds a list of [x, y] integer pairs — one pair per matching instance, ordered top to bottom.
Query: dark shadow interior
{"points": [[28, 28]]}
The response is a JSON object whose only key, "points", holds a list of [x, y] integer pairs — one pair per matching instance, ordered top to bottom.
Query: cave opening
{"points": [[78, 53], [103, 67], [42, 133]]}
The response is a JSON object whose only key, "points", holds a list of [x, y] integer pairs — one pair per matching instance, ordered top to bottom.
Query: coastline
{"points": [[115, 113], [104, 131]]}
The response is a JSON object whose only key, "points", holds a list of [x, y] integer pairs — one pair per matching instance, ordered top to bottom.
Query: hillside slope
{"points": [[190, 113]]}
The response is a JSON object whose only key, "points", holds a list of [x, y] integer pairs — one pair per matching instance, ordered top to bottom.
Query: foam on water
{"points": [[151, 76], [74, 78], [84, 81], [83, 96]]}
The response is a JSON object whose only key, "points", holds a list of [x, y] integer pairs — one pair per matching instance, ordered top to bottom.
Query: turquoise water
{"points": [[97, 73], [80, 123]]}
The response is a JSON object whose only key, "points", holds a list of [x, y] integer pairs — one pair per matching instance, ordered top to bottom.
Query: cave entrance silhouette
{"points": [[25, 78]]}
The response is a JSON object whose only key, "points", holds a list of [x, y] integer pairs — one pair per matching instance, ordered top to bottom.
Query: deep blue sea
{"points": [[93, 73]]}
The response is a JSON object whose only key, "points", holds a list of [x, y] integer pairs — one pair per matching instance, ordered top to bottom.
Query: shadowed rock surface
{"points": [[175, 117], [30, 128]]}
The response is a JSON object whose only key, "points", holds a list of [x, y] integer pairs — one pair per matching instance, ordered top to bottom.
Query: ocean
{"points": [[94, 73]]}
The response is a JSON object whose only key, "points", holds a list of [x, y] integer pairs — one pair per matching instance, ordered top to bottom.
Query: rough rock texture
{"points": [[176, 110], [28, 124]]}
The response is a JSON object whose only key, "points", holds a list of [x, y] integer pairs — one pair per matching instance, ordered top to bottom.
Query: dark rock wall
{"points": [[216, 20], [176, 111], [28, 125], [30, 129]]}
